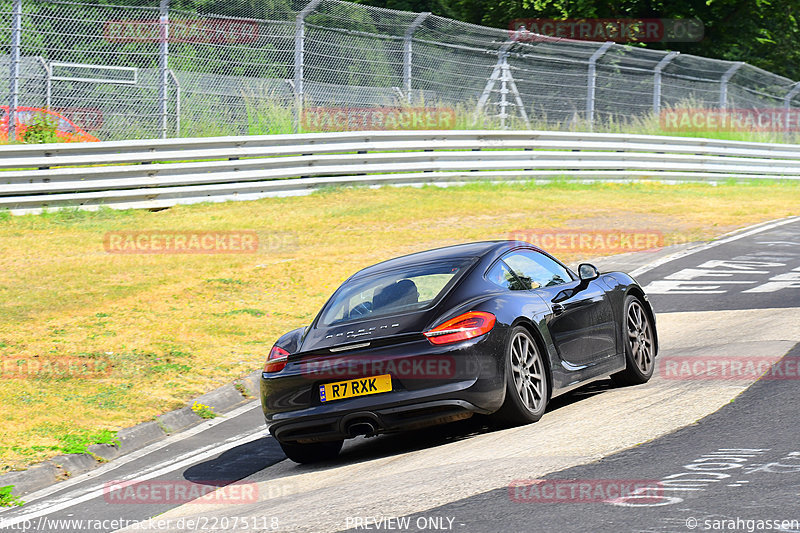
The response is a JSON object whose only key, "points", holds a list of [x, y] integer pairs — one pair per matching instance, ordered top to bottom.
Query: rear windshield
{"points": [[392, 292]]}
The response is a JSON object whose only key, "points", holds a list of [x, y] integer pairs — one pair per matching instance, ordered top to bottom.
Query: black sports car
{"points": [[490, 327]]}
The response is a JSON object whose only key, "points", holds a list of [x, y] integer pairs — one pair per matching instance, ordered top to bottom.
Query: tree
{"points": [[764, 33]]}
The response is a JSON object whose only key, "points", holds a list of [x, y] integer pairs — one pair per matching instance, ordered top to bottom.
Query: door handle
{"points": [[558, 309]]}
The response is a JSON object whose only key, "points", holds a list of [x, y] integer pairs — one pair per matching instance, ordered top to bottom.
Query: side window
{"points": [[536, 269], [500, 275]]}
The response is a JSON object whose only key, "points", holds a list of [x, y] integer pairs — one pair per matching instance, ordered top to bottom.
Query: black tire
{"points": [[639, 338], [527, 388], [311, 452]]}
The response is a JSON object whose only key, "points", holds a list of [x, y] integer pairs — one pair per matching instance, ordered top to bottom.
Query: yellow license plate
{"points": [[355, 387]]}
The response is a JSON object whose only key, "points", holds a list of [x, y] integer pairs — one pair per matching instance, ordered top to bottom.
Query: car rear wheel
{"points": [[639, 345], [526, 380], [311, 452]]}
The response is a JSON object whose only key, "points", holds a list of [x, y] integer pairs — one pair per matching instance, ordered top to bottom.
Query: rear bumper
{"points": [[471, 381], [384, 420]]}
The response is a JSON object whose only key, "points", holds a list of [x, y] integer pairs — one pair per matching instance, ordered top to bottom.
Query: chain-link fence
{"points": [[126, 69]]}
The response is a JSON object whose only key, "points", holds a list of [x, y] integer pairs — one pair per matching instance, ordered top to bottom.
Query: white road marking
{"points": [[738, 234], [193, 456], [70, 500]]}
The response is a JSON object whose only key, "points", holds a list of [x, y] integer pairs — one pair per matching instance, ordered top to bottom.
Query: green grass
{"points": [[268, 115], [67, 440], [78, 441], [7, 499]]}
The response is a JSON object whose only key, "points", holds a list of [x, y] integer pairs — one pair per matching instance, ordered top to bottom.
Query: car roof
{"points": [[455, 252]]}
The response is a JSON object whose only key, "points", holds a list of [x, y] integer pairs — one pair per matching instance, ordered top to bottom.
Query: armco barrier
{"points": [[162, 173]]}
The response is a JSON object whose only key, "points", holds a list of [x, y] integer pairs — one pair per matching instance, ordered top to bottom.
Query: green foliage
{"points": [[763, 33], [267, 117], [42, 129], [72, 440], [79, 441], [7, 499]]}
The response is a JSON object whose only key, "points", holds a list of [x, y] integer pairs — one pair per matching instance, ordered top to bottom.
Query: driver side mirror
{"points": [[588, 272]]}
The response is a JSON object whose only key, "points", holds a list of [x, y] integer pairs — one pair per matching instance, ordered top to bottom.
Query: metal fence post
{"points": [[16, 33], [407, 53], [299, 61], [163, 66], [592, 81], [657, 81], [48, 82], [723, 84], [177, 103], [787, 104]]}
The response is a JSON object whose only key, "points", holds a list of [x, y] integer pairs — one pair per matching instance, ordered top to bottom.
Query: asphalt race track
{"points": [[727, 312], [736, 467]]}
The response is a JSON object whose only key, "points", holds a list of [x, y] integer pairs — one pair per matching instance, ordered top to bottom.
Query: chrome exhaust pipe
{"points": [[362, 427]]}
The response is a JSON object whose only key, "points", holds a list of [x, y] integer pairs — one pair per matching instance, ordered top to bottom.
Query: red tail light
{"points": [[463, 327], [276, 360]]}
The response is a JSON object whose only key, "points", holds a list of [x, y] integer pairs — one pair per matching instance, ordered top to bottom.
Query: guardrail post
{"points": [[407, 53], [299, 61], [163, 66], [657, 80], [592, 81], [723, 84], [13, 104]]}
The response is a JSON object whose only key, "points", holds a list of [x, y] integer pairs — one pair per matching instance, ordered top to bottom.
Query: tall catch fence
{"points": [[129, 69]]}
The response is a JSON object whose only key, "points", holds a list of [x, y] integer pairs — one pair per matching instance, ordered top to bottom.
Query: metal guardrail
{"points": [[162, 173]]}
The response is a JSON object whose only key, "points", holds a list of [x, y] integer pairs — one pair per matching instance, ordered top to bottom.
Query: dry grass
{"points": [[174, 326]]}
